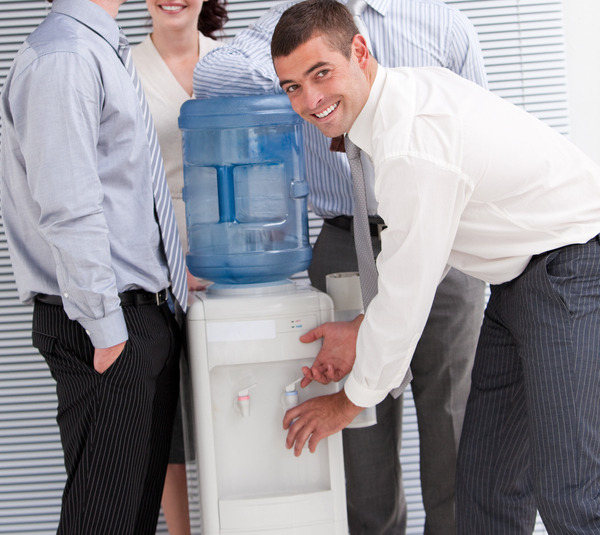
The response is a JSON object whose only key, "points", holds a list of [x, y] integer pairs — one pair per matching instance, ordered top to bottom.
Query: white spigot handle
{"points": [[292, 386], [245, 392], [290, 396], [243, 400]]}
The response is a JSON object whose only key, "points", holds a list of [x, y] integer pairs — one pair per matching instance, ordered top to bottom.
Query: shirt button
{"points": [[66, 295]]}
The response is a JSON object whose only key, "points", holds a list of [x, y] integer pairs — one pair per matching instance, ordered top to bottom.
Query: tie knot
{"points": [[356, 7], [123, 42], [352, 151]]}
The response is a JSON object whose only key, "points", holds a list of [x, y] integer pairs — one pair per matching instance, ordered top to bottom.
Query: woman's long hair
{"points": [[212, 17]]}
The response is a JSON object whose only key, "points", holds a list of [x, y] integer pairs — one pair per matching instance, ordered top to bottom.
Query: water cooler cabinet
{"points": [[245, 366]]}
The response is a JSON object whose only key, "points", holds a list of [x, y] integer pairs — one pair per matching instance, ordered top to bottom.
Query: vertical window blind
{"points": [[524, 50]]}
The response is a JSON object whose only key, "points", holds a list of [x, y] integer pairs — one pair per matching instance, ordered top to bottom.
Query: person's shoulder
{"points": [[56, 32], [62, 35], [48, 40], [207, 44], [61, 49], [143, 51], [435, 74]]}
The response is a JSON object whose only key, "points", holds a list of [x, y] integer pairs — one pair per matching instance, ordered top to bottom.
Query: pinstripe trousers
{"points": [[441, 369], [115, 427], [531, 435]]}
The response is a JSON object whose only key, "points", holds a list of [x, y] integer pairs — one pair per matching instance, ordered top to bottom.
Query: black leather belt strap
{"points": [[346, 222], [128, 299]]}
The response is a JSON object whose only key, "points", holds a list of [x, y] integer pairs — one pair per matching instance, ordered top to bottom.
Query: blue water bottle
{"points": [[244, 189]]}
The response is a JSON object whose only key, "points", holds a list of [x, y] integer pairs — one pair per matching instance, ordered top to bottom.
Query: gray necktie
{"points": [[356, 7], [162, 198], [362, 234], [362, 240]]}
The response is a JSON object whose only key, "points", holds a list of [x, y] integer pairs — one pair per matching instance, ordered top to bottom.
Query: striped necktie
{"points": [[162, 198], [362, 235]]}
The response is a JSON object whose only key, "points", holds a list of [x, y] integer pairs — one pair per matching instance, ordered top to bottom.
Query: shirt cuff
{"points": [[108, 331], [360, 395]]}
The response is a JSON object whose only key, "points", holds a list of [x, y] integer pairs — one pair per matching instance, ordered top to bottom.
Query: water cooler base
{"points": [[245, 359]]}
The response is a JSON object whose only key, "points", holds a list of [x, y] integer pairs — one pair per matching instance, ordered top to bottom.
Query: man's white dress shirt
{"points": [[463, 179]]}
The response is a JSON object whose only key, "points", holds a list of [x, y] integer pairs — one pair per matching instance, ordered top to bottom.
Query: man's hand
{"points": [[194, 284], [337, 356], [104, 357], [317, 418]]}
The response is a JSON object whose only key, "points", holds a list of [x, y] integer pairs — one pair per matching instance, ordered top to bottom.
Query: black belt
{"points": [[346, 222], [128, 299]]}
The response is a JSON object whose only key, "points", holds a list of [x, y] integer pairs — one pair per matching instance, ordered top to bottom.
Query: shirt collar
{"points": [[381, 6], [91, 15], [361, 130]]}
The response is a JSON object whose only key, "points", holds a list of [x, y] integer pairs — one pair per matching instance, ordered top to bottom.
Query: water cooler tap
{"points": [[289, 398], [243, 401]]}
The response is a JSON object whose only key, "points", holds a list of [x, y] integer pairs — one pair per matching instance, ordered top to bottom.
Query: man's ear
{"points": [[360, 50]]}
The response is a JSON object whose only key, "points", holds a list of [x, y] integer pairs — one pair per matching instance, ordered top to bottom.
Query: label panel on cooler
{"points": [[238, 331], [241, 342]]}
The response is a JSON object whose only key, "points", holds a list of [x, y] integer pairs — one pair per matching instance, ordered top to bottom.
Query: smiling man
{"points": [[412, 33], [464, 180]]}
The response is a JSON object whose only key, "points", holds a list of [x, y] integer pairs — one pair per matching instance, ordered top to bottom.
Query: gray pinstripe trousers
{"points": [[115, 427], [531, 435]]}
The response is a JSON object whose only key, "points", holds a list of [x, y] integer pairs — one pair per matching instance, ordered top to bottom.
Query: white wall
{"points": [[583, 73]]}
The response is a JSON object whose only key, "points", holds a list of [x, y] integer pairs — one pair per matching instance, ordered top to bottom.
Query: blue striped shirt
{"points": [[410, 33]]}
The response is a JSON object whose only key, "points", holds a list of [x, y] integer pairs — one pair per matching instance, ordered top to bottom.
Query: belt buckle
{"points": [[160, 297]]}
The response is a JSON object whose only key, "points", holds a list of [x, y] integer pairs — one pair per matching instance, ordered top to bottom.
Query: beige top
{"points": [[165, 97]]}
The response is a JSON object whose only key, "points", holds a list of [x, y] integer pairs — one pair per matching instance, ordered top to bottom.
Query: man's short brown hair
{"points": [[304, 20]]}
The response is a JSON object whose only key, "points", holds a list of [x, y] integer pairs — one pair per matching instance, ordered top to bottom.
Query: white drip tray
{"points": [[310, 512]]}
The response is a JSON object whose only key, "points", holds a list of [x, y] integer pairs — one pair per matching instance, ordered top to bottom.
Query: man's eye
{"points": [[322, 73], [291, 88]]}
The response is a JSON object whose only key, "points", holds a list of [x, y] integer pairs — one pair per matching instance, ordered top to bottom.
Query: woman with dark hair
{"points": [[183, 31]]}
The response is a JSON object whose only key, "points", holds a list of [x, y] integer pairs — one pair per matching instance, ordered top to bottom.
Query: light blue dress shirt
{"points": [[411, 33], [77, 198]]}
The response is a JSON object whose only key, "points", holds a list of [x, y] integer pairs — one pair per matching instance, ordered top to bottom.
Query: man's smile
{"points": [[327, 111]]}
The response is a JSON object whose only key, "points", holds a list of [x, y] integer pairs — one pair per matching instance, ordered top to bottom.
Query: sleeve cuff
{"points": [[108, 331], [361, 396]]}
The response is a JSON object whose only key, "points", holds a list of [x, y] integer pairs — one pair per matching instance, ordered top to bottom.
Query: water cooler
{"points": [[246, 216]]}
